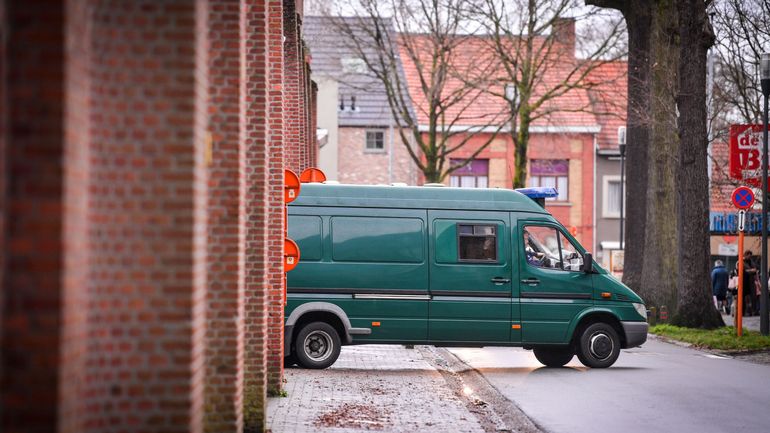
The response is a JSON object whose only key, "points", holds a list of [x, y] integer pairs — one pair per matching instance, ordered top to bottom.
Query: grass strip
{"points": [[724, 338]]}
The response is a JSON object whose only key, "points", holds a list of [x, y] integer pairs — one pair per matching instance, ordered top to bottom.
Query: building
{"points": [[608, 98], [363, 144], [561, 150], [142, 154]]}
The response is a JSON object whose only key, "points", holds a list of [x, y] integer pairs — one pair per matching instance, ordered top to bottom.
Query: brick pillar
{"points": [[293, 102], [253, 121], [313, 124], [307, 138], [3, 166], [77, 196], [145, 217], [275, 274], [32, 280], [225, 346]]}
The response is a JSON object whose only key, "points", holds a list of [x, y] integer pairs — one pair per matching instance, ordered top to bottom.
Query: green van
{"points": [[448, 267]]}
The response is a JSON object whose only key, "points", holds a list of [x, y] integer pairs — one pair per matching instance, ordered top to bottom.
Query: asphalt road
{"points": [[659, 387]]}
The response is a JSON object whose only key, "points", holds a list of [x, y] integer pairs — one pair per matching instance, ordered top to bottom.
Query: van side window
{"points": [[477, 243], [546, 247]]}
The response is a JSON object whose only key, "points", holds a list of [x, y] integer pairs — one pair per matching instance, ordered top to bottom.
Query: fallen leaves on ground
{"points": [[354, 416]]}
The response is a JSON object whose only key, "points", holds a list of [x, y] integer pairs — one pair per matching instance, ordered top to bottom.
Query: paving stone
{"points": [[370, 388]]}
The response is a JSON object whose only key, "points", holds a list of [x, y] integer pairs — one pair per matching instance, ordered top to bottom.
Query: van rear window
{"points": [[476, 243]]}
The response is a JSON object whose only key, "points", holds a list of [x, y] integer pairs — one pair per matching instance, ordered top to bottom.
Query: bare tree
{"points": [[742, 34], [696, 36], [534, 43], [437, 113]]}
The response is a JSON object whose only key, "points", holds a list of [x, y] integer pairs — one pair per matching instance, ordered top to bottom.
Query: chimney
{"points": [[564, 33]]}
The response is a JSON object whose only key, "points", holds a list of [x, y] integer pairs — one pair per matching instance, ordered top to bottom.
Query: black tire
{"points": [[317, 345], [598, 345], [554, 356], [289, 360]]}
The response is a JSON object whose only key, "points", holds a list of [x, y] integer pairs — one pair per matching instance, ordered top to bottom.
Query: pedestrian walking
{"points": [[749, 277], [719, 282], [732, 290]]}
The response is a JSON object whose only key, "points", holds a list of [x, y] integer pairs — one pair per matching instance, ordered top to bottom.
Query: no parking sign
{"points": [[743, 197]]}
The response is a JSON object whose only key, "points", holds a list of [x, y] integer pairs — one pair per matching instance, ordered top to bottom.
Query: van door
{"points": [[470, 277], [552, 285]]}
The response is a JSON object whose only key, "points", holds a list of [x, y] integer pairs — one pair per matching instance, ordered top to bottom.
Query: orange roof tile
{"points": [[473, 57]]}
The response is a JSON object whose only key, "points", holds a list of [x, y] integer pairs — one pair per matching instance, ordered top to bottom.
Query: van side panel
{"points": [[373, 264], [471, 299]]}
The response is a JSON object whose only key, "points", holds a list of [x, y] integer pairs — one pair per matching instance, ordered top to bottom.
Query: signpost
{"points": [[742, 198]]}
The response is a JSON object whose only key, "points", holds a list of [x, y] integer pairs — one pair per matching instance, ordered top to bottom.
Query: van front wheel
{"points": [[317, 345], [598, 346], [553, 356]]}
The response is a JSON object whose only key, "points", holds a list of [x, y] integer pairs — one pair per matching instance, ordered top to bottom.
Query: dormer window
{"points": [[353, 65]]}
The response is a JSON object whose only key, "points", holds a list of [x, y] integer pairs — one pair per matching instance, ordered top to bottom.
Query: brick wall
{"points": [[293, 83], [254, 113], [313, 137], [359, 166], [3, 167], [77, 197], [146, 219], [276, 231], [33, 246], [142, 284], [224, 360]]}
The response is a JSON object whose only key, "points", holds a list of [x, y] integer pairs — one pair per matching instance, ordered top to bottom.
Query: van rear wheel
{"points": [[317, 345], [598, 345], [553, 356]]}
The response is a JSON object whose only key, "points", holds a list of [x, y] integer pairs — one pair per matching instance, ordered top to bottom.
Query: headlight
{"points": [[640, 309]]}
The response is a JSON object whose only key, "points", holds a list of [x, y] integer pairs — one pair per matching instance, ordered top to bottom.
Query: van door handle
{"points": [[500, 280], [531, 281]]}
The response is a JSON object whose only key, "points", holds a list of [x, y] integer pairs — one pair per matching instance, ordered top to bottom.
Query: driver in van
{"points": [[534, 258]]}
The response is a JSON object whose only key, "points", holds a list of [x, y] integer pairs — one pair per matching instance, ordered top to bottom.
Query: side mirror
{"points": [[588, 263]]}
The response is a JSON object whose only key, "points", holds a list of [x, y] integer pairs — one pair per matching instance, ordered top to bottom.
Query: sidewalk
{"points": [[751, 322], [372, 387]]}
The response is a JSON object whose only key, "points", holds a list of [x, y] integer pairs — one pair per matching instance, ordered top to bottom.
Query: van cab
{"points": [[448, 267]]}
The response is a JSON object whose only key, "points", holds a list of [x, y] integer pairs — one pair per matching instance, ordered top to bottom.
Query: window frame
{"points": [[368, 149], [556, 178], [606, 179], [495, 236]]}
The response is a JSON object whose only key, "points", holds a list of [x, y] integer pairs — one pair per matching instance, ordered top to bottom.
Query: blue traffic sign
{"points": [[743, 197]]}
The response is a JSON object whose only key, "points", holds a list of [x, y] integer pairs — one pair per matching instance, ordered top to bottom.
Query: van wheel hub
{"points": [[318, 345], [601, 346]]}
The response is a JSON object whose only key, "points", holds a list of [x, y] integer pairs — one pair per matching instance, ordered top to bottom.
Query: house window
{"points": [[375, 141], [552, 173], [473, 175], [611, 197]]}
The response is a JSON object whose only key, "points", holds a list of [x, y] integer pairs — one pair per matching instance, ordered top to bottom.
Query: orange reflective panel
{"points": [[311, 175], [291, 186], [290, 255]]}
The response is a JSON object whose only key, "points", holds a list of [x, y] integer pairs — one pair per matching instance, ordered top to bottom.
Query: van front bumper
{"points": [[636, 333]]}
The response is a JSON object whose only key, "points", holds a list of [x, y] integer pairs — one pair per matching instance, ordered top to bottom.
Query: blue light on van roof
{"points": [[539, 192]]}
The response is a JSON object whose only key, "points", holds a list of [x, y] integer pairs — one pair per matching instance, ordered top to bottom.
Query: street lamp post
{"points": [[764, 66], [622, 148]]}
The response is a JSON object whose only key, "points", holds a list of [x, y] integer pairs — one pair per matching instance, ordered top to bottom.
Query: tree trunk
{"points": [[638, 19], [521, 140], [660, 262], [696, 308]]}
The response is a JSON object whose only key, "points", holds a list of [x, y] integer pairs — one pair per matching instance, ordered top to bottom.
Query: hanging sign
{"points": [[745, 154]]}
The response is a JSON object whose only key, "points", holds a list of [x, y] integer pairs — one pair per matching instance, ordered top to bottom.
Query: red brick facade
{"points": [[141, 216]]}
